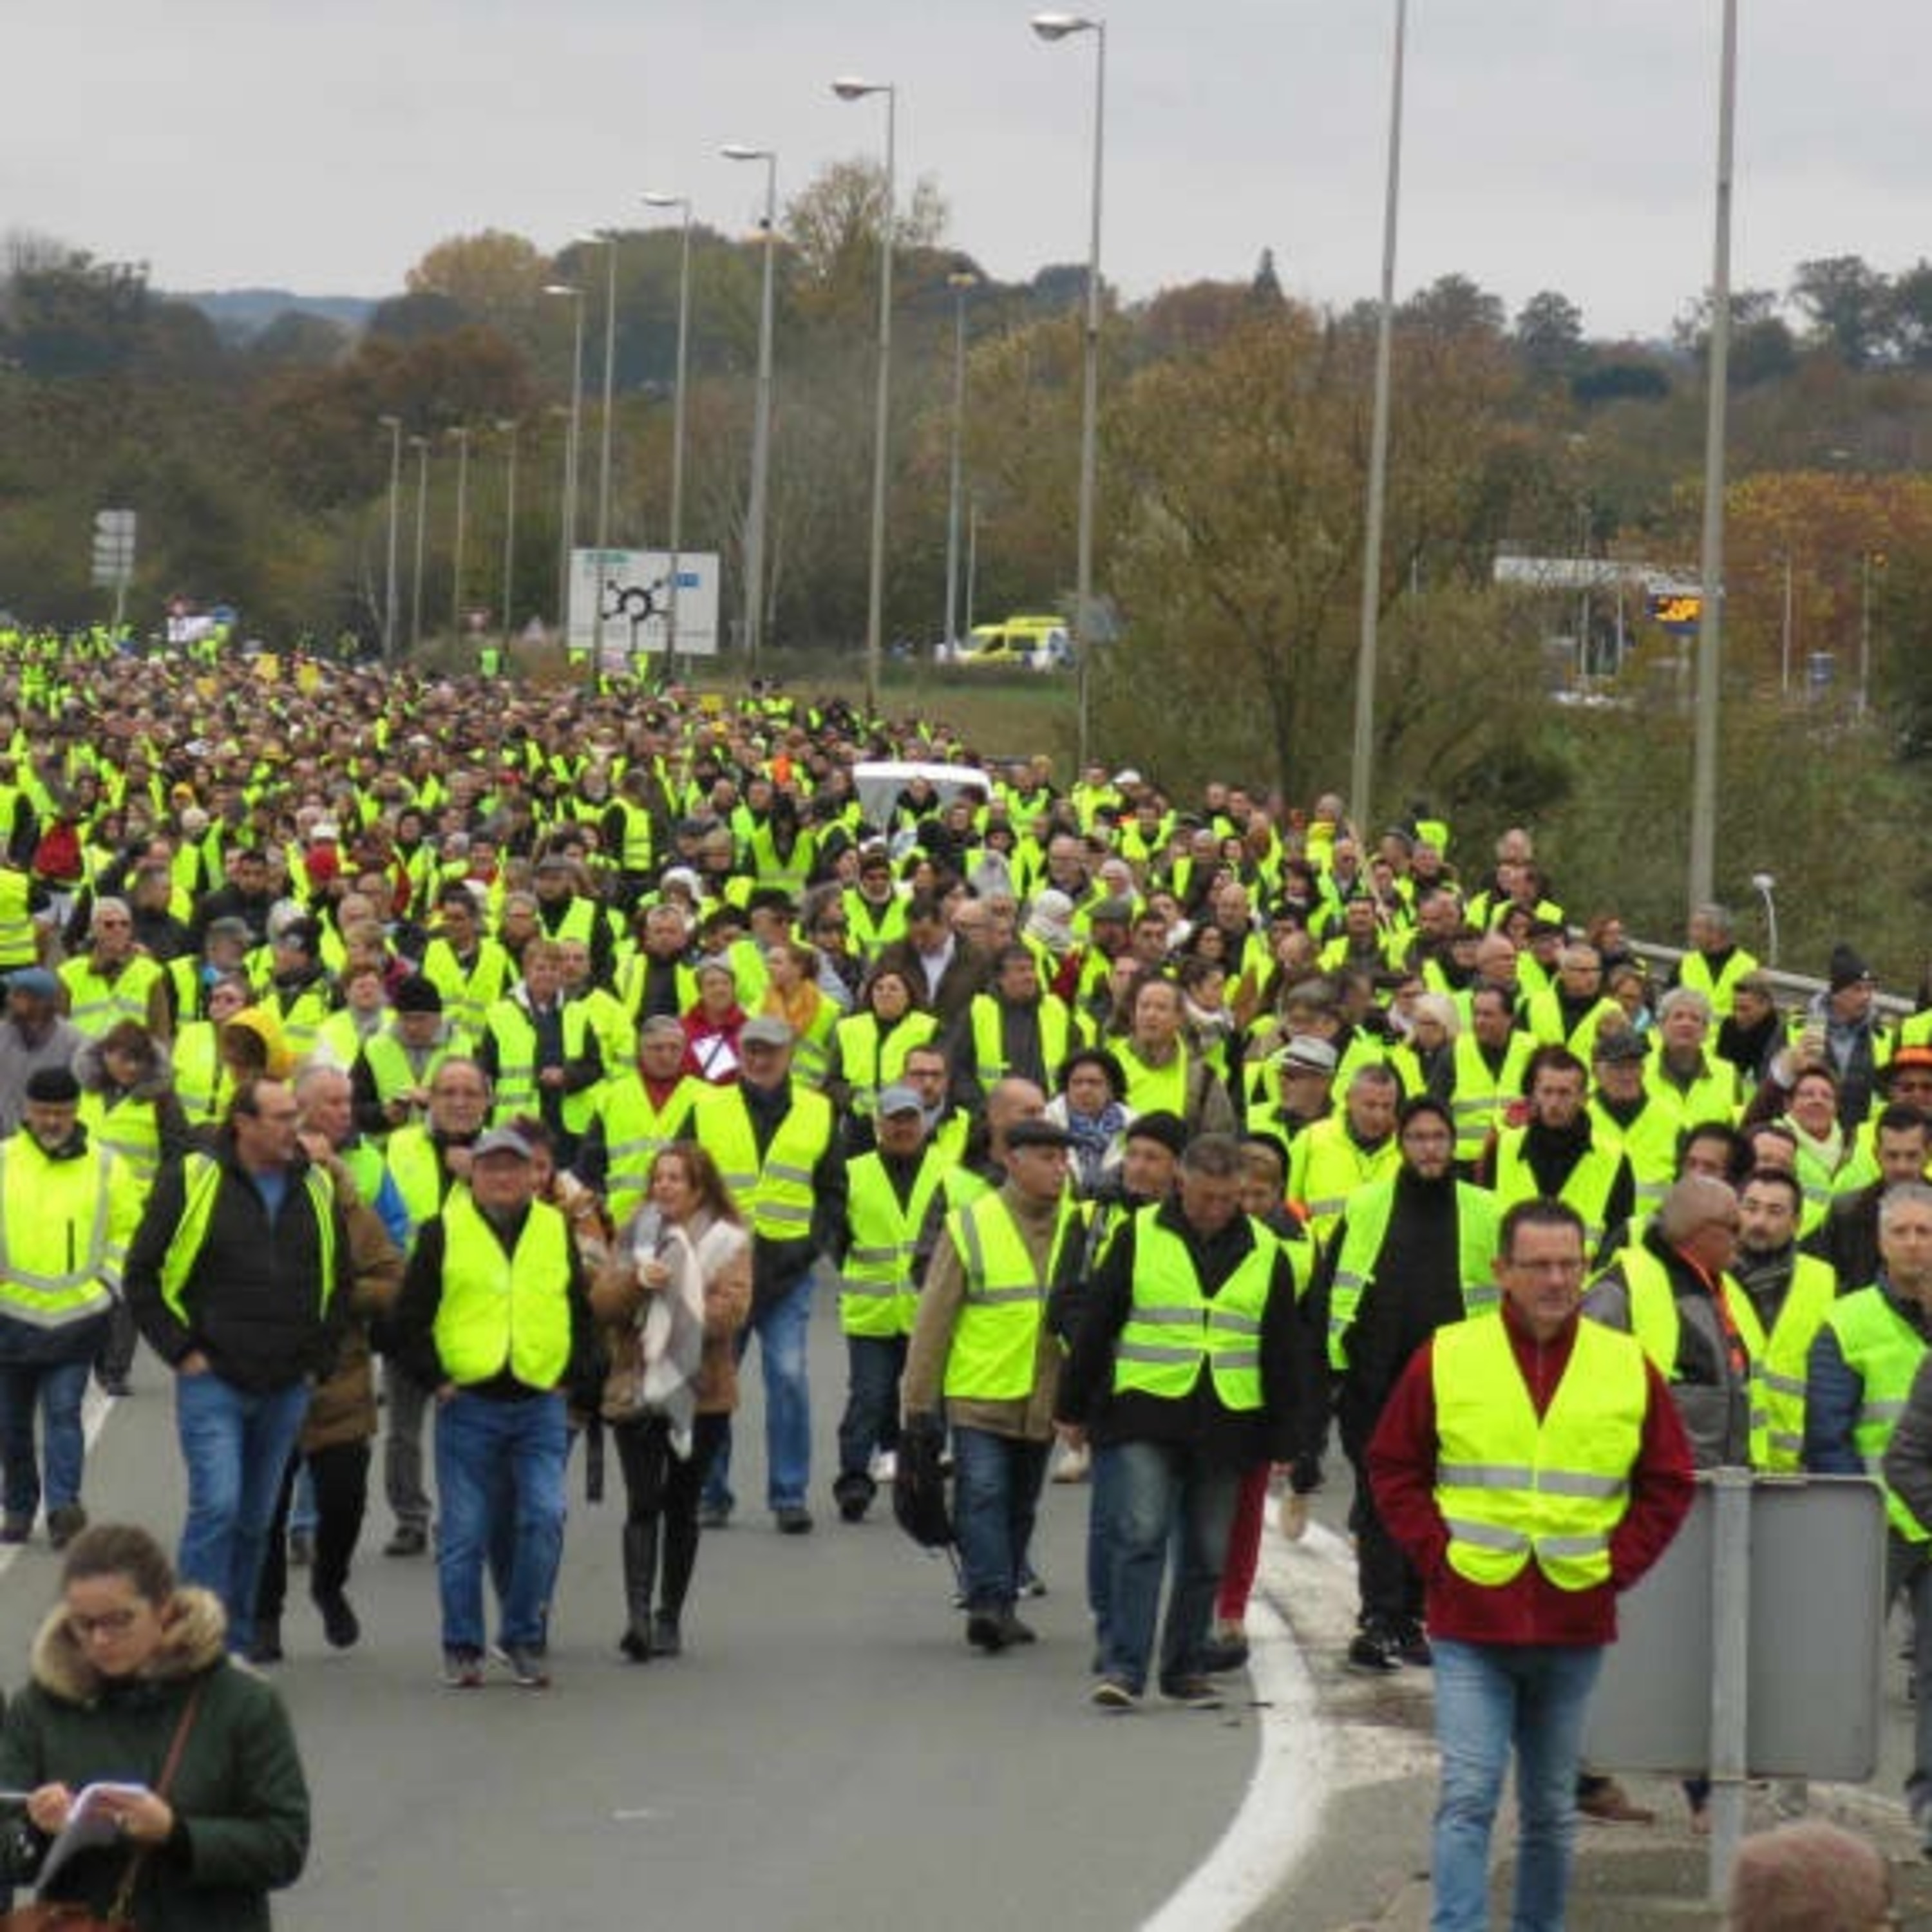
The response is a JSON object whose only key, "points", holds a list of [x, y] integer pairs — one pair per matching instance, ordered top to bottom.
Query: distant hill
{"points": [[239, 313]]}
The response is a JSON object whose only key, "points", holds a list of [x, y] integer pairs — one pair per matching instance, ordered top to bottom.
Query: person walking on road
{"points": [[240, 1278], [1523, 1576]]}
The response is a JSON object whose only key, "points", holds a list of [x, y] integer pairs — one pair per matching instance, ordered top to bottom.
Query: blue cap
{"points": [[36, 980]]}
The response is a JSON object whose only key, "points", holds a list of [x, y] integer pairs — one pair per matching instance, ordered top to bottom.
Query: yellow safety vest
{"points": [[18, 946], [1693, 971], [467, 996], [96, 1003], [510, 1025], [989, 1053], [865, 1064], [202, 1084], [1156, 1089], [1481, 1097], [128, 1128], [635, 1132], [413, 1163], [1326, 1167], [201, 1179], [1587, 1188], [774, 1195], [1369, 1212], [64, 1228], [877, 1294], [501, 1310], [1657, 1325], [1173, 1331], [996, 1339], [1884, 1350], [1786, 1359], [1511, 1485]]}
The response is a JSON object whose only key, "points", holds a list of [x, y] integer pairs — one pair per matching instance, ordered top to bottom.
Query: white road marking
{"points": [[95, 1409]]}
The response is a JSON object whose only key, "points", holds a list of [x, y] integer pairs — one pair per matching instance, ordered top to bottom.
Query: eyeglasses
{"points": [[109, 1623]]}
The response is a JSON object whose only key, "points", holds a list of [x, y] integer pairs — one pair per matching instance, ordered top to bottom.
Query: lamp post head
{"points": [[1058, 26], [848, 88], [741, 151], [654, 200], [563, 289], [391, 424]]}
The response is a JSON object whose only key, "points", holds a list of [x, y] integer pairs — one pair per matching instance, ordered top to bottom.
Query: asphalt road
{"points": [[828, 1753]]}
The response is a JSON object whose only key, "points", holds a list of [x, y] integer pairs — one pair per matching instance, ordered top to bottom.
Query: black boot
{"points": [[640, 1564]]}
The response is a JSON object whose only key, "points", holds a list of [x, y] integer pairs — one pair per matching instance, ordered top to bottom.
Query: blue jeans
{"points": [[781, 1326], [56, 1388], [871, 1418], [237, 1443], [491, 1456], [996, 1482], [1163, 1496], [1491, 1698]]}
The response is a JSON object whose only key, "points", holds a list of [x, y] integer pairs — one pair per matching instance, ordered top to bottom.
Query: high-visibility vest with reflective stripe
{"points": [[635, 853], [788, 874], [873, 928], [17, 943], [1693, 971], [632, 974], [467, 996], [96, 1003], [1542, 1014], [301, 1018], [510, 1025], [811, 1045], [989, 1052], [866, 1063], [391, 1068], [201, 1084], [1152, 1089], [1715, 1094], [1481, 1097], [128, 1128], [635, 1132], [1649, 1139], [411, 1159], [1325, 1167], [201, 1180], [1586, 1188], [774, 1194], [1370, 1210], [62, 1238], [877, 1294], [502, 1310], [1658, 1327], [1173, 1331], [996, 1339], [1884, 1350], [1787, 1353], [1512, 1486]]}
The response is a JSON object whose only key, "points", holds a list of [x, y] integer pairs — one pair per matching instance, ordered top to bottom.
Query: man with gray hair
{"points": [[1715, 962], [1684, 1074]]}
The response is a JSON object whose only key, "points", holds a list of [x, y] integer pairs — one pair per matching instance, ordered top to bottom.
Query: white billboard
{"points": [[634, 588]]}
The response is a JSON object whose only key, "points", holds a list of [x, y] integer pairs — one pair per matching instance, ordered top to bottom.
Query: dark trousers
{"points": [[115, 1361], [871, 1418], [340, 1474], [661, 1489], [1386, 1581]]}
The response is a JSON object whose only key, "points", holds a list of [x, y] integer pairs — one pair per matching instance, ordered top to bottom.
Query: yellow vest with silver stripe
{"points": [[18, 943], [95, 1003], [509, 1023], [989, 1052], [865, 1064], [129, 1128], [635, 1131], [201, 1180], [1587, 1188], [775, 1195], [1370, 1210], [62, 1240], [877, 1294], [500, 1310], [1657, 1325], [1173, 1331], [996, 1339], [1884, 1350], [1787, 1352], [1512, 1486]]}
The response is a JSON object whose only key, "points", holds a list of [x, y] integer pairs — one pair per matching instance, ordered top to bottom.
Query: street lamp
{"points": [[1057, 27], [850, 89], [682, 203], [607, 239], [960, 281], [761, 423], [393, 425], [506, 426], [460, 436], [571, 439], [420, 444], [1363, 776]]}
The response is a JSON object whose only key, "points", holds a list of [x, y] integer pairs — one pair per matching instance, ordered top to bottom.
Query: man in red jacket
{"points": [[1531, 1466]]}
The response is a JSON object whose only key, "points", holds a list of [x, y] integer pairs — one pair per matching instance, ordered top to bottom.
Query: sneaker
{"points": [[853, 1492], [713, 1516], [793, 1520], [65, 1524], [16, 1529], [410, 1539], [301, 1549], [340, 1623], [986, 1629], [1012, 1631], [666, 1638], [1411, 1645], [266, 1646], [634, 1646], [1373, 1653], [1221, 1654], [463, 1669], [528, 1669], [1192, 1692], [1113, 1694], [1606, 1801]]}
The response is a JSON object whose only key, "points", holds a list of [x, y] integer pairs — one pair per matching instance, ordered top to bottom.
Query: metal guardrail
{"points": [[1893, 1006]]}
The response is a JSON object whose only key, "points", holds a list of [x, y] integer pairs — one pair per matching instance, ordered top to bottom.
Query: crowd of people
{"points": [[393, 1059]]}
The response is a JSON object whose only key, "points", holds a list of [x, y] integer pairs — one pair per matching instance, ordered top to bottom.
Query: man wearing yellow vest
{"points": [[1553, 1155], [889, 1189], [68, 1208], [1411, 1254], [240, 1279], [1791, 1294], [494, 1316], [982, 1345], [1863, 1366], [1189, 1368], [1523, 1574]]}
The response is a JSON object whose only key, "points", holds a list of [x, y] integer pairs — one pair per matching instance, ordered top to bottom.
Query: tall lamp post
{"points": [[1058, 27], [848, 88], [682, 204], [607, 239], [960, 281], [761, 421], [393, 425], [506, 428], [460, 436], [571, 442], [420, 444], [1362, 785]]}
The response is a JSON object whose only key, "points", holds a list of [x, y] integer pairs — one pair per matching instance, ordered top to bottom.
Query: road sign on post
{"points": [[113, 548]]}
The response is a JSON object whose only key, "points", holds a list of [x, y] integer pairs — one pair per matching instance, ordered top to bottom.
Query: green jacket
{"points": [[239, 1794]]}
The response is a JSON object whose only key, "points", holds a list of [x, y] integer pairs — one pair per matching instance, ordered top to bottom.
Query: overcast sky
{"points": [[324, 144]]}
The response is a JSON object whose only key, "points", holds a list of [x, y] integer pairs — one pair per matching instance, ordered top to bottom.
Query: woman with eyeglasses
{"points": [[207, 1808]]}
